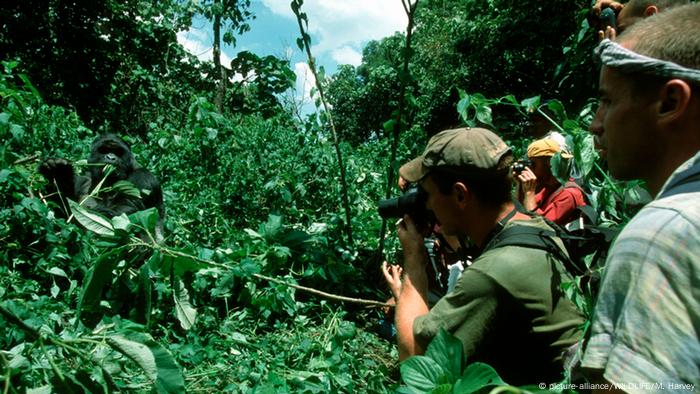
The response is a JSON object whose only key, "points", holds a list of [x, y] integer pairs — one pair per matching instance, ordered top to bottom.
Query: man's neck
{"points": [[667, 166], [489, 218]]}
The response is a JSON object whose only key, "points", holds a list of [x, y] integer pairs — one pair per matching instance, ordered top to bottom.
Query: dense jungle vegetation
{"points": [[271, 211]]}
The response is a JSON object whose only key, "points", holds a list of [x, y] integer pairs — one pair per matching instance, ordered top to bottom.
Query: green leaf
{"points": [[510, 99], [531, 104], [463, 106], [557, 108], [483, 114], [389, 126], [585, 155], [560, 168], [125, 187], [147, 218], [91, 221], [121, 222], [273, 227], [253, 234], [179, 264], [57, 271], [97, 277], [55, 290], [141, 313], [186, 314], [448, 352], [157, 363], [422, 374], [476, 377], [442, 389], [40, 390]]}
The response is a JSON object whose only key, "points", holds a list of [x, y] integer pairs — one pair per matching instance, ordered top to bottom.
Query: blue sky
{"points": [[339, 29]]}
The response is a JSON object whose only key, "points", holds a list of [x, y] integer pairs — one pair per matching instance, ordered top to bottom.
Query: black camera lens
{"points": [[411, 203]]}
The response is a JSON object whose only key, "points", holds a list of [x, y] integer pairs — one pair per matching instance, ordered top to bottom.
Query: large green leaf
{"points": [[483, 114], [584, 153], [126, 188], [147, 218], [91, 221], [273, 228], [98, 276], [186, 314], [448, 352], [157, 363], [423, 374], [476, 377]]}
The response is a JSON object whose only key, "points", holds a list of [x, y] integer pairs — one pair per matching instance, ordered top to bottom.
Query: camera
{"points": [[607, 18], [603, 20], [520, 165], [412, 202]]}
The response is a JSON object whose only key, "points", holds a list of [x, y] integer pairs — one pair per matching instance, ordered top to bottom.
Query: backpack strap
{"points": [[536, 238]]}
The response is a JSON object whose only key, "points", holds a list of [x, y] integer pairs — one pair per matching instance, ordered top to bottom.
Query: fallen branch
{"points": [[26, 159], [162, 249], [324, 294]]}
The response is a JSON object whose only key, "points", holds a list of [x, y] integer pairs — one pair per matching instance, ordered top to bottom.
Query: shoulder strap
{"points": [[535, 238]]}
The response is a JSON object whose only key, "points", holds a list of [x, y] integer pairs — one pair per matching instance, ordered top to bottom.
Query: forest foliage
{"points": [[235, 298]]}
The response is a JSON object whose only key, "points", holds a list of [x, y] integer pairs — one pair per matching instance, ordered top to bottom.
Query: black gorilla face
{"points": [[110, 149]]}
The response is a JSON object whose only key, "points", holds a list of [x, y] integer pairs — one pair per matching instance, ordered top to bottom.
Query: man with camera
{"points": [[540, 191], [507, 306], [644, 333]]}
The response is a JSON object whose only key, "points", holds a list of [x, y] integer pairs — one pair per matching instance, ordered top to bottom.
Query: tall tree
{"points": [[231, 16]]}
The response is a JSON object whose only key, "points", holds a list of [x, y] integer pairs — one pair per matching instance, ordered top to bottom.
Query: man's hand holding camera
{"points": [[603, 17], [413, 248]]}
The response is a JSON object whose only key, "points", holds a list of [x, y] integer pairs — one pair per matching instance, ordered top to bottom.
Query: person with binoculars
{"points": [[507, 306]]}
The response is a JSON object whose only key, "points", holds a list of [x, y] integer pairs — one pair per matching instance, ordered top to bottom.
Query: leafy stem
{"points": [[304, 44]]}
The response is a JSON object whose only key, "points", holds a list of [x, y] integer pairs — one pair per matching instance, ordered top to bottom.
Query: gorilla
{"points": [[107, 149]]}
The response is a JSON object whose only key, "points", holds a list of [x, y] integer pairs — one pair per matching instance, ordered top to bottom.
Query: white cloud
{"points": [[343, 23], [199, 43], [347, 55], [305, 81]]}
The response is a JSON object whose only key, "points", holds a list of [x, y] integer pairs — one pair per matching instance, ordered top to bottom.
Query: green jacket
{"points": [[509, 311]]}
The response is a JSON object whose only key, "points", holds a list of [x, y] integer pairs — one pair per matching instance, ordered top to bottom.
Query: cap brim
{"points": [[413, 171]]}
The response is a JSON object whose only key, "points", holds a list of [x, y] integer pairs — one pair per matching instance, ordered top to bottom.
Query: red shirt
{"points": [[559, 205]]}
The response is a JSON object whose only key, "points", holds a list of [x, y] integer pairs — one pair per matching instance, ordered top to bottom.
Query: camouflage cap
{"points": [[457, 149]]}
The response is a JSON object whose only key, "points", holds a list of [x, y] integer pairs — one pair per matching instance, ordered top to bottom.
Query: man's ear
{"points": [[651, 10], [674, 98], [462, 193]]}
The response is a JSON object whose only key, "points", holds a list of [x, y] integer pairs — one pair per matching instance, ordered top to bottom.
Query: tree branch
{"points": [[324, 294]]}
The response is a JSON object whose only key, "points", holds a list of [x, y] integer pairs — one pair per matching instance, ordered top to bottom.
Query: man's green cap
{"points": [[457, 150]]}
